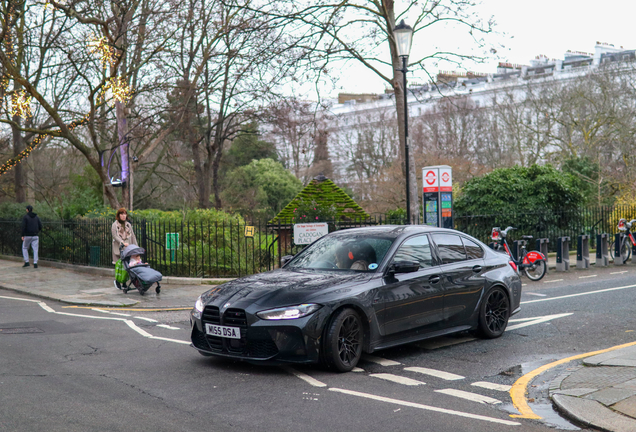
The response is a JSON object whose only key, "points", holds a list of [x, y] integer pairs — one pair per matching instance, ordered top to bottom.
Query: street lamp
{"points": [[403, 38]]}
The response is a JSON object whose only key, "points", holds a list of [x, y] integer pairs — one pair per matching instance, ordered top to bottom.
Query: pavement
{"points": [[597, 392]]}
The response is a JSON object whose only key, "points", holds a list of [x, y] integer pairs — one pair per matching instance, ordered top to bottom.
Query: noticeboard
{"points": [[307, 233], [172, 241]]}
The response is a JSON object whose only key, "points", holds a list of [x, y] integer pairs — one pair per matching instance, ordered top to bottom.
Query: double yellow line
{"points": [[519, 388]]}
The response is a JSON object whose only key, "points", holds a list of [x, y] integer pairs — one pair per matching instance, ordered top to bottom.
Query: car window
{"points": [[450, 248], [415, 249], [473, 250]]}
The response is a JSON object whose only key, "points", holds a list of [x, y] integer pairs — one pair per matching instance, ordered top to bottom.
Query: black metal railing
{"points": [[222, 249]]}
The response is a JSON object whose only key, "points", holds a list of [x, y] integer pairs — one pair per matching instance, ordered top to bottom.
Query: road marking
{"points": [[620, 272], [585, 277], [555, 280], [536, 294], [580, 294], [130, 309], [108, 312], [146, 319], [536, 320], [130, 324], [168, 327], [380, 361], [357, 369], [436, 373], [397, 379], [309, 380], [492, 386], [519, 388], [469, 396], [425, 407]]}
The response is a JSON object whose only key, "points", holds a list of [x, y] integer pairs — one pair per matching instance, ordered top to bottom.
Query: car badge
{"points": [[373, 266], [227, 305]]}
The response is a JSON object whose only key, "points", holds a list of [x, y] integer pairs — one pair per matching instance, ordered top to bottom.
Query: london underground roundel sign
{"points": [[445, 177], [431, 178]]}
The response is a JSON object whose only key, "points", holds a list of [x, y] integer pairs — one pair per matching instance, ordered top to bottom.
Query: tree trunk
{"points": [[18, 170]]}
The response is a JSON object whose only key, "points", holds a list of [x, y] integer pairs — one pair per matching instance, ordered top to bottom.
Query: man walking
{"points": [[31, 227]]}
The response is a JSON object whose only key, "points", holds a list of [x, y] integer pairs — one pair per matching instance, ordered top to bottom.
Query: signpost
{"points": [[437, 195], [249, 231], [307, 233], [172, 244]]}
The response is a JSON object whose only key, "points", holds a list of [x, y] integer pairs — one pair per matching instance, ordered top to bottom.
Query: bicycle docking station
{"points": [[542, 246], [516, 248], [602, 251], [583, 252], [563, 254], [619, 258]]}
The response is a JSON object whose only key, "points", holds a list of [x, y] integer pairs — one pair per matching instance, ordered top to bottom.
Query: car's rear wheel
{"points": [[494, 313], [342, 345]]}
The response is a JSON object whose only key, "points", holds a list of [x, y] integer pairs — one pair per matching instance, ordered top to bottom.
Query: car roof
{"points": [[393, 231]]}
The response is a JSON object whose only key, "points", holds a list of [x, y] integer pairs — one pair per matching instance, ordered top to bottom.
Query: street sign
{"points": [[437, 198], [307, 233], [172, 241]]}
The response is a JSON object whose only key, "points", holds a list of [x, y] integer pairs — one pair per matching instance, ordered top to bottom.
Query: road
{"points": [[79, 369]]}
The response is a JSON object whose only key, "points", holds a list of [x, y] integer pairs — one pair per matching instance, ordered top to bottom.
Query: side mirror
{"points": [[284, 260], [404, 267]]}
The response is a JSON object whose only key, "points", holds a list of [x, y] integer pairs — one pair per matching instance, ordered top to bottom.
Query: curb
{"points": [[108, 272]]}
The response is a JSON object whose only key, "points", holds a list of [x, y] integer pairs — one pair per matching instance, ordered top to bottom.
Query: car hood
{"points": [[283, 288]]}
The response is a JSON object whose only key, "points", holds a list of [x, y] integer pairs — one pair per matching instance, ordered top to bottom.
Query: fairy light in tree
{"points": [[100, 46], [116, 89], [20, 104]]}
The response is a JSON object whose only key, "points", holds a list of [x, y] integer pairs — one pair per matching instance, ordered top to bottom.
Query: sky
{"points": [[525, 29]]}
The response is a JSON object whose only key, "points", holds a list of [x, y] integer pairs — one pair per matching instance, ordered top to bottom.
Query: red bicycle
{"points": [[625, 247], [532, 263]]}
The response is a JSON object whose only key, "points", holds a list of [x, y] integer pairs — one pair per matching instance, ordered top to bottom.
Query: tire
{"points": [[625, 249], [537, 272], [494, 313], [342, 344]]}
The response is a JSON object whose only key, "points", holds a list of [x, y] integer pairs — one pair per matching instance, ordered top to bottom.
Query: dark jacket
{"points": [[31, 225]]}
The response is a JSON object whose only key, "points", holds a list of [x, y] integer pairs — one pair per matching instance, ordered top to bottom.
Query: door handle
{"points": [[477, 268], [434, 279]]}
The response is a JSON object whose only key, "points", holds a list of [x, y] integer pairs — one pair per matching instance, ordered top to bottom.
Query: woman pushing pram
{"points": [[142, 277]]}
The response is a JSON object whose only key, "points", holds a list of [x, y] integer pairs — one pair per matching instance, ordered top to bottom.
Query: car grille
{"points": [[261, 346]]}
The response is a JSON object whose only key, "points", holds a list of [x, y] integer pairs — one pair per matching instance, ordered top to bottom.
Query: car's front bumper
{"points": [[281, 341]]}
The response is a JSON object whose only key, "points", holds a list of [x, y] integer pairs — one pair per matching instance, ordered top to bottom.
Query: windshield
{"points": [[357, 253]]}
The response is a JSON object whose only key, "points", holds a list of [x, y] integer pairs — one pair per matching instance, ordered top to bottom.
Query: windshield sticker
{"points": [[373, 266]]}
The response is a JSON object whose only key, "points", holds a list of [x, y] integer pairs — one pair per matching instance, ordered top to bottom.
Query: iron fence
{"points": [[227, 249]]}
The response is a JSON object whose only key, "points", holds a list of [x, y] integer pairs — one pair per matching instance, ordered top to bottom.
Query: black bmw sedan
{"points": [[359, 290]]}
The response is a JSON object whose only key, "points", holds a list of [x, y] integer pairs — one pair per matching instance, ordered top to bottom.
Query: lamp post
{"points": [[403, 38]]}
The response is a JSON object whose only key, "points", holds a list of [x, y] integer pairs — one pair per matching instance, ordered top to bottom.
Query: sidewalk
{"points": [[94, 287], [600, 392]]}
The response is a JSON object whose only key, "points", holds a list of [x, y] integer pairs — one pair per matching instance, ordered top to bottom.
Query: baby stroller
{"points": [[141, 276]]}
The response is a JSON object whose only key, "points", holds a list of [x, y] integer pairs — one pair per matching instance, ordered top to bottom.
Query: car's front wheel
{"points": [[494, 313], [342, 345]]}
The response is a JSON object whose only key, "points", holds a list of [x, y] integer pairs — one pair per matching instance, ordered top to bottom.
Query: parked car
{"points": [[359, 290]]}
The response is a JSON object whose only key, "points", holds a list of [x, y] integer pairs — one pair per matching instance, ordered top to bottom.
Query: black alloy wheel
{"points": [[494, 313], [342, 347]]}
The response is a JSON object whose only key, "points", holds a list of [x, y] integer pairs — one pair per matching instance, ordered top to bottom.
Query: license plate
{"points": [[223, 331]]}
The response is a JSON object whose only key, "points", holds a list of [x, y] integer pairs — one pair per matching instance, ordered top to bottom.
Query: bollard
{"points": [[542, 246], [516, 248], [583, 252], [563, 254], [602, 254], [618, 258]]}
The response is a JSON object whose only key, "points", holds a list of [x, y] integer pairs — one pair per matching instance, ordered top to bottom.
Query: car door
{"points": [[462, 265], [413, 300]]}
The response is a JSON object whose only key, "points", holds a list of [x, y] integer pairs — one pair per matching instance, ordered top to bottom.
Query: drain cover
{"points": [[20, 330]]}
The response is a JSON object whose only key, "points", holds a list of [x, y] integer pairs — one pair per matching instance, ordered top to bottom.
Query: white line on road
{"points": [[620, 272], [585, 277], [555, 280], [536, 294], [580, 294], [109, 312], [147, 319], [537, 320], [168, 327], [380, 361], [357, 369], [436, 373], [397, 379], [309, 380], [492, 386], [469, 396], [425, 407]]}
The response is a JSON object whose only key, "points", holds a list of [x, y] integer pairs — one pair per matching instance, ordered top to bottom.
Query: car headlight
{"points": [[198, 308], [290, 312]]}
